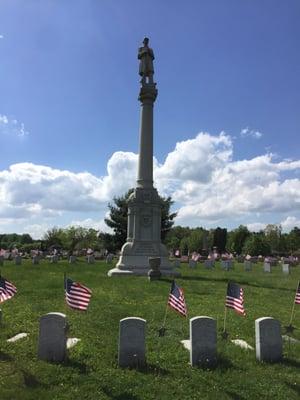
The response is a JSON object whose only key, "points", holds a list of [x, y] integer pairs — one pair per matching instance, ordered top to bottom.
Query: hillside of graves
{"points": [[91, 369]]}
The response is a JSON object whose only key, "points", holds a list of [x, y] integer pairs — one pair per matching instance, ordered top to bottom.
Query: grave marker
{"points": [[267, 267], [203, 336], [52, 337], [268, 340], [132, 342]]}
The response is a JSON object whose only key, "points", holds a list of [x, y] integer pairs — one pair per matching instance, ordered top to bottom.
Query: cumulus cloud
{"points": [[1, 36], [12, 126], [247, 132], [200, 174], [289, 223], [256, 226]]}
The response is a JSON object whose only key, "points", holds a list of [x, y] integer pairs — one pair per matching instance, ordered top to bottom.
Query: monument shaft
{"points": [[145, 166]]}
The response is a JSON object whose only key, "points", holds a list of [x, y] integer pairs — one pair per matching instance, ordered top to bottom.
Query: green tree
{"points": [[117, 220], [273, 234], [236, 239], [293, 240], [195, 241], [256, 245]]}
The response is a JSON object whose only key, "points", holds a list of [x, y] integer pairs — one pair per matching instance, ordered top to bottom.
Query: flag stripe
{"points": [[7, 290], [77, 295], [176, 300]]}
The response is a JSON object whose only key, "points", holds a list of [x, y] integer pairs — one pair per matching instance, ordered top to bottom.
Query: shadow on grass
{"points": [[225, 280], [5, 357], [290, 362], [81, 367], [153, 369], [30, 380], [293, 386], [233, 395], [122, 396]]}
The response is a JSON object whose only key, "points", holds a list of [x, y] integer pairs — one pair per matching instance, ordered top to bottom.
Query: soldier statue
{"points": [[146, 57]]}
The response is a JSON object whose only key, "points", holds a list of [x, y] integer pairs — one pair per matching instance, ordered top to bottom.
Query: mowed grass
{"points": [[91, 371]]}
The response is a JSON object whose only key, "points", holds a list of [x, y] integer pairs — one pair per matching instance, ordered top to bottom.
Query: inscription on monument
{"points": [[145, 248]]}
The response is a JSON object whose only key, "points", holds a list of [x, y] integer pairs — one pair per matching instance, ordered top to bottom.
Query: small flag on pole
{"points": [[7, 290], [77, 295], [297, 296], [235, 298], [176, 299]]}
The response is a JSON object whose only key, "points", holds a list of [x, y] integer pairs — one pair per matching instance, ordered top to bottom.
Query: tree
{"points": [[118, 217], [273, 234], [236, 239], [293, 240], [195, 241], [256, 245]]}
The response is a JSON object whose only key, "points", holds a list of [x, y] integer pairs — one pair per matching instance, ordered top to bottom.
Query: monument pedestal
{"points": [[143, 236]]}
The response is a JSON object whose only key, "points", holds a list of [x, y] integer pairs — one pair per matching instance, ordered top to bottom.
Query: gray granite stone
{"points": [[54, 259], [72, 259], [90, 259], [1, 260], [18, 260], [35, 260], [176, 263], [192, 264], [209, 264], [225, 265], [247, 265], [267, 267], [286, 268], [154, 272], [52, 337], [203, 337], [268, 340], [132, 346]]}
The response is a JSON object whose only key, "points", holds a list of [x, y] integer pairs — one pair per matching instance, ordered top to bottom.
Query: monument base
{"points": [[131, 263]]}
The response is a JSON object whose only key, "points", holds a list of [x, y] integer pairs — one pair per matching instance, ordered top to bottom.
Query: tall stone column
{"points": [[144, 205]]}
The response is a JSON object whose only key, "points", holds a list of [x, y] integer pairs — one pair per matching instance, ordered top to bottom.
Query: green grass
{"points": [[91, 370]]}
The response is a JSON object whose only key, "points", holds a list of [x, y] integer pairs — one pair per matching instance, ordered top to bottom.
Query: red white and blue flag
{"points": [[7, 289], [77, 295], [297, 296], [235, 298], [176, 299]]}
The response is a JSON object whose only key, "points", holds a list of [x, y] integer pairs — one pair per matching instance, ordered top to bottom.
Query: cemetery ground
{"points": [[91, 370]]}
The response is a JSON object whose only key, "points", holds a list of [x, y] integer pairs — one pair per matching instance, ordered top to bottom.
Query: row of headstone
{"points": [[226, 265], [268, 268], [52, 344]]}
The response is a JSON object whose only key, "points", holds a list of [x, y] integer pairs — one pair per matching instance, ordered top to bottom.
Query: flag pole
{"points": [[293, 308], [225, 315]]}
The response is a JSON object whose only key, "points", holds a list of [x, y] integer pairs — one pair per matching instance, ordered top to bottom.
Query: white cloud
{"points": [[1, 36], [11, 126], [247, 132], [200, 175], [289, 223], [99, 225], [256, 226]]}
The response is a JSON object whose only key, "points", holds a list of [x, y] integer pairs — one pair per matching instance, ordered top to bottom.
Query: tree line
{"points": [[270, 241]]}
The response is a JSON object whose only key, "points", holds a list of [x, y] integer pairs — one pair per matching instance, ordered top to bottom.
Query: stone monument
{"points": [[144, 205]]}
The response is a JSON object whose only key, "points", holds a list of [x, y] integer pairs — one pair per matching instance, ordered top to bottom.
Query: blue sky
{"points": [[226, 129]]}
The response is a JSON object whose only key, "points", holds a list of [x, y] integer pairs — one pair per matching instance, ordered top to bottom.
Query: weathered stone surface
{"points": [[54, 259], [72, 259], [90, 259], [18, 260], [35, 260], [176, 263], [192, 264], [209, 264], [225, 265], [248, 265], [267, 267], [286, 268], [154, 272], [52, 337], [203, 337], [268, 340], [132, 346]]}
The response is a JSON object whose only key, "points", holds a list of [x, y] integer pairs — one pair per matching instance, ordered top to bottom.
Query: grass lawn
{"points": [[91, 370]]}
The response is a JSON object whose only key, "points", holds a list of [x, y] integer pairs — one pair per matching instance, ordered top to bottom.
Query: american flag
{"points": [[7, 290], [77, 295], [297, 297], [235, 298], [176, 299]]}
